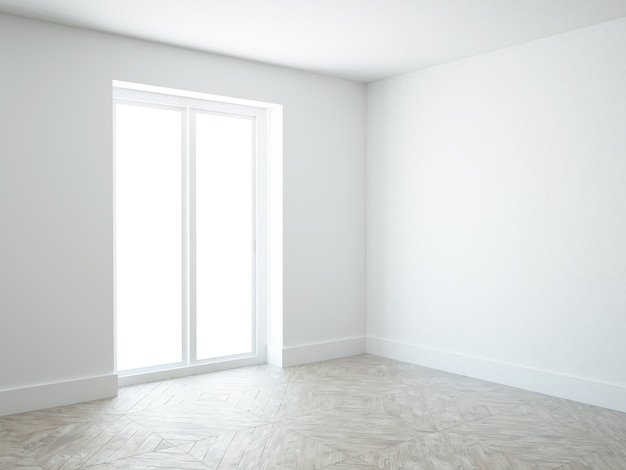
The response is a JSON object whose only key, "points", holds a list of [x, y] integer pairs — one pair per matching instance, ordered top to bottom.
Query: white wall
{"points": [[497, 216], [56, 268]]}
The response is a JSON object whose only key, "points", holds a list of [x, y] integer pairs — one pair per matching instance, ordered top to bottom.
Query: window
{"points": [[190, 231]]}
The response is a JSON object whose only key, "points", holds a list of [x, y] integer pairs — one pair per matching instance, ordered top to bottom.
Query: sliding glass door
{"points": [[185, 231], [224, 235], [148, 236]]}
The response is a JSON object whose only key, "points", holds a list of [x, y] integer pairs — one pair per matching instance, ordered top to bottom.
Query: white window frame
{"points": [[190, 106]]}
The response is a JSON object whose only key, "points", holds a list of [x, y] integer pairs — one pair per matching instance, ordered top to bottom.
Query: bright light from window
{"points": [[224, 235], [148, 236]]}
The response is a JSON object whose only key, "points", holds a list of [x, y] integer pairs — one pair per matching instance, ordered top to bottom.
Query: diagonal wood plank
{"points": [[153, 396], [291, 400], [425, 411], [51, 418], [592, 419], [196, 420], [352, 431], [526, 439], [90, 443], [263, 448], [439, 452], [13, 455], [612, 457], [168, 459], [352, 464]]}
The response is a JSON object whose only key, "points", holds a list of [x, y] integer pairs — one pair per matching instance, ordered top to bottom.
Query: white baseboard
{"points": [[305, 354], [579, 389], [584, 390], [37, 397]]}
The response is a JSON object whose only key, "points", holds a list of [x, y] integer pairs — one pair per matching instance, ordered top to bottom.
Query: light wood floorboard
{"points": [[361, 413]]}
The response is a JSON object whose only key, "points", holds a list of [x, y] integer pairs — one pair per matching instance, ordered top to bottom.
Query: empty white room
{"points": [[339, 234]]}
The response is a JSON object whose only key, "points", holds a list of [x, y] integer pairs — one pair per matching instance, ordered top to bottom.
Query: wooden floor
{"points": [[362, 413]]}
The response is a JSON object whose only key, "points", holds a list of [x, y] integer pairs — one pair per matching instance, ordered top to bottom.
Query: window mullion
{"points": [[254, 234], [185, 236], [191, 253]]}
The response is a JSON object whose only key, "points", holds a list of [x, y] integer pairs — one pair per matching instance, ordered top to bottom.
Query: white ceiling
{"points": [[363, 40]]}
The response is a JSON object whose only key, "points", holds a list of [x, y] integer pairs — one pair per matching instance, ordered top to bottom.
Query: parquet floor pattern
{"points": [[362, 412]]}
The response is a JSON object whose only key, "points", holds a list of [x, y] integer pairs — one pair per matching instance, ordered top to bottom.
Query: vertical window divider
{"points": [[191, 155], [260, 230], [254, 234], [186, 334]]}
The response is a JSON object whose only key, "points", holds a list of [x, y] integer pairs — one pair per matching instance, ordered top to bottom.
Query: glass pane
{"points": [[224, 234], [148, 236]]}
